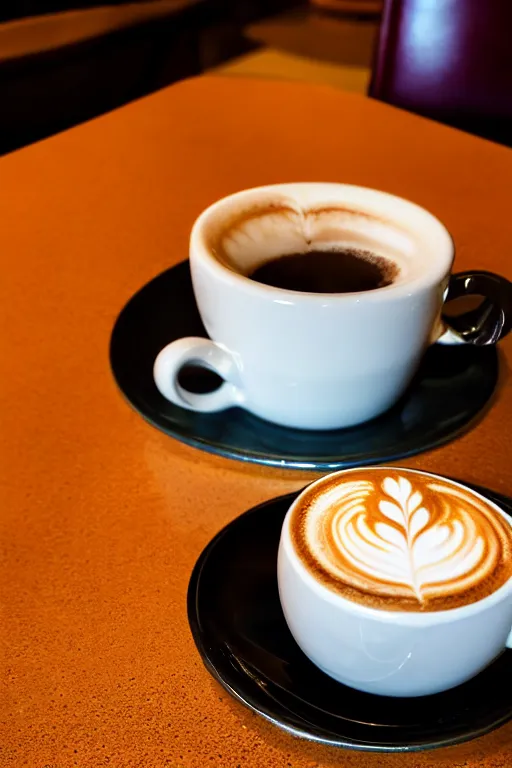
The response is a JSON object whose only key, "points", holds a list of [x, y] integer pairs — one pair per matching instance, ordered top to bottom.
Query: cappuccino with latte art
{"points": [[403, 542], [395, 581]]}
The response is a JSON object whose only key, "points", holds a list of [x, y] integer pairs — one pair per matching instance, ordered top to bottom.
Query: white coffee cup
{"points": [[318, 361], [392, 653]]}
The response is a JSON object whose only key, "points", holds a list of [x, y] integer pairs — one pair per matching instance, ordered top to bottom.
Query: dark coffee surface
{"points": [[335, 271]]}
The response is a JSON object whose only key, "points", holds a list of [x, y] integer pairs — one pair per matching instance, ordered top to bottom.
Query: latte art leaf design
{"points": [[395, 539], [409, 550]]}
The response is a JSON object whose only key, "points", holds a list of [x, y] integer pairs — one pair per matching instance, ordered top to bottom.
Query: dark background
{"points": [[46, 91]]}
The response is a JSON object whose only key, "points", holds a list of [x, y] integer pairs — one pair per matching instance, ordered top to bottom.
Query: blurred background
{"points": [[66, 61]]}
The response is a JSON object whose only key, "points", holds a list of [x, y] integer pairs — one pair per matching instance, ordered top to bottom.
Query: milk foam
{"points": [[281, 226], [405, 539]]}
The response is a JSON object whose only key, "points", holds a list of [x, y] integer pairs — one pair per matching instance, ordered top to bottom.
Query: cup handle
{"points": [[487, 324], [206, 354]]}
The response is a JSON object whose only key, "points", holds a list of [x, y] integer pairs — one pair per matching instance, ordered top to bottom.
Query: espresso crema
{"points": [[401, 541]]}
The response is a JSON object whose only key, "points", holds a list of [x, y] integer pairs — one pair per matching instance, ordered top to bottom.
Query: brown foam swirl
{"points": [[244, 238], [402, 540]]}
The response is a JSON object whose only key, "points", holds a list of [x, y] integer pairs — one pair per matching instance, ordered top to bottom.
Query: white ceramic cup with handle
{"points": [[320, 360], [378, 615]]}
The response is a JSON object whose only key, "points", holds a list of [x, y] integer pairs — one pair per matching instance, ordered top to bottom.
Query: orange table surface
{"points": [[101, 516]]}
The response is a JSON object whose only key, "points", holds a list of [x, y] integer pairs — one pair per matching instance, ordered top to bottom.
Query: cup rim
{"points": [[200, 251], [405, 618]]}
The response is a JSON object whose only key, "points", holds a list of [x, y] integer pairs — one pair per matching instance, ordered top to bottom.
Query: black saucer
{"points": [[452, 387], [240, 631]]}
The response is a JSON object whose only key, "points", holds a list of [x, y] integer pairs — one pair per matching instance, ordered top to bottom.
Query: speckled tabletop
{"points": [[102, 517]]}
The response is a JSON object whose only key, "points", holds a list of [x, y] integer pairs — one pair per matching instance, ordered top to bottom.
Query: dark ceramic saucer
{"points": [[451, 389], [240, 631]]}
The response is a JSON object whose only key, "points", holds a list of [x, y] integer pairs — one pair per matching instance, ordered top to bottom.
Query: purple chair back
{"points": [[450, 60]]}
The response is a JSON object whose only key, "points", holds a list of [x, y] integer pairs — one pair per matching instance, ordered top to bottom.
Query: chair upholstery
{"points": [[450, 60]]}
